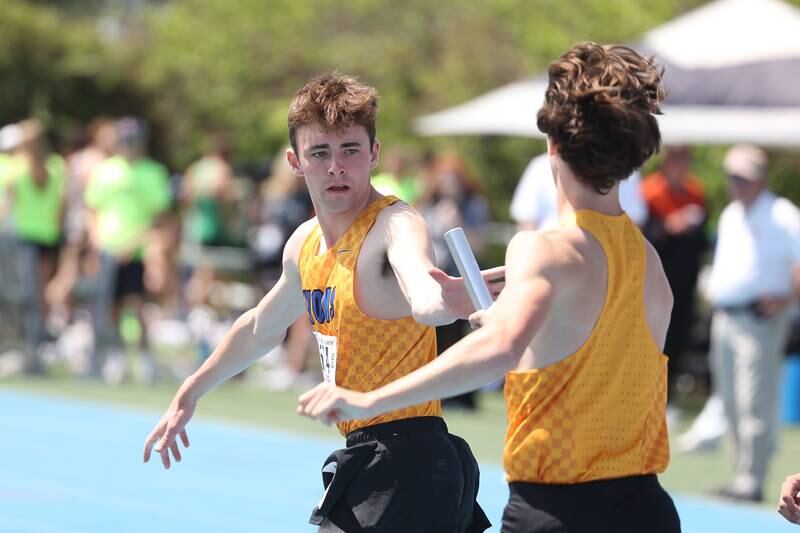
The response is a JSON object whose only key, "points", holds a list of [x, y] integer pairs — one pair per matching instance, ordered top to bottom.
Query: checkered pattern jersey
{"points": [[370, 352], [599, 413]]}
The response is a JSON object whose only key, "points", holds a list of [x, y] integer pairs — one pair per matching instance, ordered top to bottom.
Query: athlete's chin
{"points": [[338, 204]]}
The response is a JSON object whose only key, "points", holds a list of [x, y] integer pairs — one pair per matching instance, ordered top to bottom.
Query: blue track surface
{"points": [[73, 467]]}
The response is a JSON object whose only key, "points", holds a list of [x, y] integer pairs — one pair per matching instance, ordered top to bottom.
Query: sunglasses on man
{"points": [[739, 181]]}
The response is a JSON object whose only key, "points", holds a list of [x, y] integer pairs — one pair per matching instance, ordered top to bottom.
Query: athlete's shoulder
{"points": [[398, 210], [399, 219], [551, 252], [652, 258], [655, 277]]}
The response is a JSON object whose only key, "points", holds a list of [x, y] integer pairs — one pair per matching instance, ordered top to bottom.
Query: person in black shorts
{"points": [[33, 184], [362, 273], [129, 280], [374, 483]]}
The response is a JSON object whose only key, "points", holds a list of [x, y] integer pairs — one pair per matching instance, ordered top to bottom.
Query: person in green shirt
{"points": [[34, 185], [125, 194], [206, 194]]}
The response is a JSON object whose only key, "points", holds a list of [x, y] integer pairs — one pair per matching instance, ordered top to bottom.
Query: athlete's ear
{"points": [[374, 154], [294, 162]]}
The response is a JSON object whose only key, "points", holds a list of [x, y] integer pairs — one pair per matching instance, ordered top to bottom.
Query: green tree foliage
{"points": [[234, 65], [55, 66]]}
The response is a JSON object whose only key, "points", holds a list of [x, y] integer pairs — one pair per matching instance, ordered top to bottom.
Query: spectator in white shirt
{"points": [[533, 205], [754, 278]]}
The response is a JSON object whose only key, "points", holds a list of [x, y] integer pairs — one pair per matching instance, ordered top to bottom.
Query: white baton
{"points": [[468, 267]]}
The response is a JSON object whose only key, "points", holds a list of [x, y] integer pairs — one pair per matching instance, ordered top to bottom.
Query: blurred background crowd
{"points": [[116, 268]]}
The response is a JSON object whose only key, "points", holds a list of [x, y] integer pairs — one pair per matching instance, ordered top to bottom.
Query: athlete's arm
{"points": [[435, 298], [255, 333], [481, 357]]}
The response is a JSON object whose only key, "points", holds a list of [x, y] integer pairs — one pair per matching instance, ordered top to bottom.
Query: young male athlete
{"points": [[363, 272], [579, 329]]}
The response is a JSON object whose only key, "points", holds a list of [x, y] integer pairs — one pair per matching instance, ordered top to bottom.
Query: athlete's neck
{"points": [[574, 195], [334, 225]]}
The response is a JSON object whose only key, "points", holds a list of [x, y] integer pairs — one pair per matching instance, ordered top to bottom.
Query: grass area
{"points": [[237, 402]]}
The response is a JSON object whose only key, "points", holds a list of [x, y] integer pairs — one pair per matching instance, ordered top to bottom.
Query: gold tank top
{"points": [[358, 352], [599, 413]]}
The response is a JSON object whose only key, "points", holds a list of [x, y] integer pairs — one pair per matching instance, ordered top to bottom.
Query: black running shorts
{"points": [[398, 477], [634, 504]]}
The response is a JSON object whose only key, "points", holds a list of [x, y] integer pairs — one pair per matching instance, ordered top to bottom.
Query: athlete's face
{"points": [[335, 165]]}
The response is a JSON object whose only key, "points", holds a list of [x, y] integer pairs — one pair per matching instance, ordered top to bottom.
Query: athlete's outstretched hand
{"points": [[455, 295], [330, 404], [172, 424], [788, 503]]}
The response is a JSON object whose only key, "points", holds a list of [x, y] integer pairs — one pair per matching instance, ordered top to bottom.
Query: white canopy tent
{"points": [[732, 69]]}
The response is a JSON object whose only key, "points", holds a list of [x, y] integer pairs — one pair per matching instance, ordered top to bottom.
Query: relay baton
{"points": [[468, 267]]}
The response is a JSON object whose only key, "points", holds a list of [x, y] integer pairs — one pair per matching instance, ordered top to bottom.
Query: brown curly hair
{"points": [[335, 101], [599, 110]]}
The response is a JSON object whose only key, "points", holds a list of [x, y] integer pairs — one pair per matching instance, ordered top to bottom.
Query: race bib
{"points": [[327, 356]]}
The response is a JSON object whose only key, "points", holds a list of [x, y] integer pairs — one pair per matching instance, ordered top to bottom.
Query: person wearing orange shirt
{"points": [[676, 205], [362, 272], [579, 330]]}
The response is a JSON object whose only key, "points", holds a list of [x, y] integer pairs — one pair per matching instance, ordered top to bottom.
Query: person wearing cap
{"points": [[10, 140], [34, 186], [755, 277]]}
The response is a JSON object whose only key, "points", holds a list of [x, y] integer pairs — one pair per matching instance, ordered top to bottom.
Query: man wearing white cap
{"points": [[10, 137], [754, 279]]}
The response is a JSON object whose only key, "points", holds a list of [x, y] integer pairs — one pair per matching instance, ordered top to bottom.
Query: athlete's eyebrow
{"points": [[326, 146]]}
